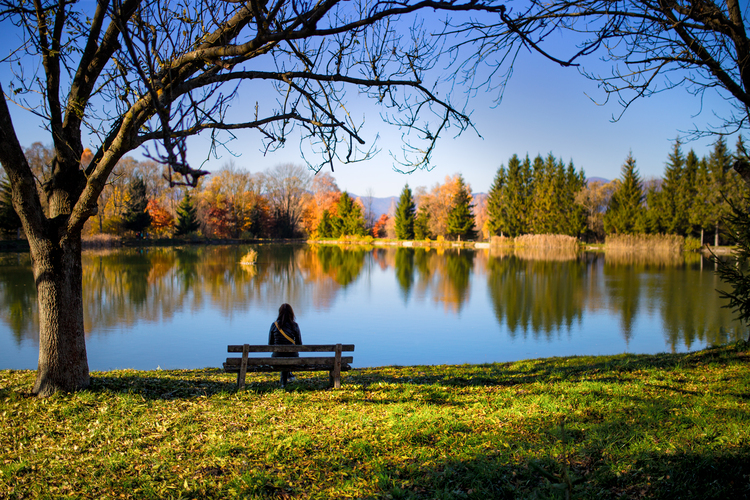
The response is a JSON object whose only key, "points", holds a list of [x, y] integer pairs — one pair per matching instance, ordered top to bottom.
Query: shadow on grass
{"points": [[574, 369], [170, 384], [176, 384], [591, 460], [654, 476]]}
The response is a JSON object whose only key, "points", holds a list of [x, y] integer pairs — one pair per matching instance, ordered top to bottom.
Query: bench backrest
{"points": [[291, 348]]}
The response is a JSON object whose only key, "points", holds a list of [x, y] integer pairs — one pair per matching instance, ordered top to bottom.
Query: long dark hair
{"points": [[286, 314]]}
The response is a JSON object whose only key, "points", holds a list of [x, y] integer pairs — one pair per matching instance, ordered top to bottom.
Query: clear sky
{"points": [[545, 109]]}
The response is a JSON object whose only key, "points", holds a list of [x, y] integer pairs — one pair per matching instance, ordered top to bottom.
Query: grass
{"points": [[101, 241], [667, 243], [546, 247], [627, 426]]}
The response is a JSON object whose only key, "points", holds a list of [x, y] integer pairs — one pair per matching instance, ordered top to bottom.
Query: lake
{"points": [[179, 307]]}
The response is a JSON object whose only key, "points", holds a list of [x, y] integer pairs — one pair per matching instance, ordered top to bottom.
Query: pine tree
{"points": [[719, 163], [687, 192], [510, 199], [497, 202], [700, 208], [545, 211], [625, 211], [405, 212], [461, 216], [135, 217], [187, 217], [669, 218], [350, 220], [573, 221], [422, 225], [326, 227]]}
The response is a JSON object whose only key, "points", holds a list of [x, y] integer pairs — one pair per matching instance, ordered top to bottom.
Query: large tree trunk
{"points": [[63, 365]]}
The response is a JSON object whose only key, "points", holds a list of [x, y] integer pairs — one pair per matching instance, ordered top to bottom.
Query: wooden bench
{"points": [[333, 364]]}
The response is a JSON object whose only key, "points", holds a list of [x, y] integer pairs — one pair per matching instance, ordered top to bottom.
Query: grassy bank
{"points": [[628, 426]]}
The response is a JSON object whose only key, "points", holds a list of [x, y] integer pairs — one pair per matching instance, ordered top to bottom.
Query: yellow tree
{"points": [[438, 202]]}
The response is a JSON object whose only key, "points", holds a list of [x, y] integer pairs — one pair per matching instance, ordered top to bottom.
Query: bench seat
{"points": [[334, 364]]}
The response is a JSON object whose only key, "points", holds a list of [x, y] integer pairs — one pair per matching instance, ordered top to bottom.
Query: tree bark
{"points": [[716, 235], [63, 365]]}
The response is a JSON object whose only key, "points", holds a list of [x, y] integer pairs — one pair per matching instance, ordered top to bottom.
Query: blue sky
{"points": [[545, 109]]}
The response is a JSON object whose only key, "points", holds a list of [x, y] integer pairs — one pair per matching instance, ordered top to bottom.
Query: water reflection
{"points": [[532, 296], [537, 296]]}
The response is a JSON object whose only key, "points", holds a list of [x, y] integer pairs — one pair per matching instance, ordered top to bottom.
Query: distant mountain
{"points": [[598, 179], [380, 206]]}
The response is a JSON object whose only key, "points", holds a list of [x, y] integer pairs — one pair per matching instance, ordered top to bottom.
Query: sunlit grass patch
{"points": [[627, 426]]}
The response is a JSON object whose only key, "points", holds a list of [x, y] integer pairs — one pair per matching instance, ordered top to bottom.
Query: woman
{"points": [[285, 331]]}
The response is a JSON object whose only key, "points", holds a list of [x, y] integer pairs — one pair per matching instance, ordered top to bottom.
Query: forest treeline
{"points": [[539, 196]]}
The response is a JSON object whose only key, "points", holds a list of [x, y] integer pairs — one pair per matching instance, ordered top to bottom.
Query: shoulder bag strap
{"points": [[284, 334]]}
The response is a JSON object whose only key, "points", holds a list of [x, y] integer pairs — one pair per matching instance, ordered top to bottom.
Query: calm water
{"points": [[180, 307]]}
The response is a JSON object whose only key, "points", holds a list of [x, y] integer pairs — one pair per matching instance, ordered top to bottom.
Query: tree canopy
{"points": [[405, 213]]}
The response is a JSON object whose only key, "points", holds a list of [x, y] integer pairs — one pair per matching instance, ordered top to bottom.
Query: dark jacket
{"points": [[276, 338]]}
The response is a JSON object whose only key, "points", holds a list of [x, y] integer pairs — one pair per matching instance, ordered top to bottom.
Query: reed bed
{"points": [[101, 241], [501, 241], [551, 241], [558, 242], [668, 243]]}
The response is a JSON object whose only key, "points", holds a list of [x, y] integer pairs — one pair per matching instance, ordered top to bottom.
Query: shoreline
{"points": [[17, 246]]}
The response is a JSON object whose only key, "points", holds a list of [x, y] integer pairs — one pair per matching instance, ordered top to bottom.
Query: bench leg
{"points": [[243, 368], [336, 373]]}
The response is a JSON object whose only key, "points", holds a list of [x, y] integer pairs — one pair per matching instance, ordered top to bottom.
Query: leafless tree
{"points": [[652, 45], [132, 73]]}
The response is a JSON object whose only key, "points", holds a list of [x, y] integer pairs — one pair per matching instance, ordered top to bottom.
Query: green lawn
{"points": [[628, 426]]}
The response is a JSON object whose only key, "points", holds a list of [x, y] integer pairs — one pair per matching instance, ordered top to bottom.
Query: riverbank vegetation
{"points": [[536, 197], [626, 426]]}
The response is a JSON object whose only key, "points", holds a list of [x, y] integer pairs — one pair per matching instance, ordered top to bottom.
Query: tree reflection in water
{"points": [[533, 295]]}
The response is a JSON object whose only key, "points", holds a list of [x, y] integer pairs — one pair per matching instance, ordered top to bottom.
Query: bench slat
{"points": [[292, 348], [323, 361], [278, 368]]}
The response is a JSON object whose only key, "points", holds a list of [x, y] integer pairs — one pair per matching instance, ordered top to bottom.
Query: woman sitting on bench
{"points": [[285, 331]]}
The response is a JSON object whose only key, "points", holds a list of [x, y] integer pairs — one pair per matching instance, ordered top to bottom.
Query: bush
{"points": [[691, 245]]}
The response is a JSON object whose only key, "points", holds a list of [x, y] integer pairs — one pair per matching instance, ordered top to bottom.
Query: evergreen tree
{"points": [[719, 163], [687, 191], [509, 199], [497, 202], [546, 205], [667, 207], [700, 209], [625, 211], [405, 212], [461, 216], [135, 217], [187, 217], [350, 220], [574, 221], [651, 221], [10, 223], [422, 225], [326, 227]]}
